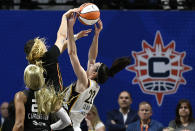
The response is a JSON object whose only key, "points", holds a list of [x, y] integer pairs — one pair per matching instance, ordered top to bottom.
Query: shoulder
{"points": [[53, 48], [52, 52], [93, 83], [20, 97], [114, 111], [132, 112], [193, 122], [172, 123], [157, 124], [99, 125], [133, 126]]}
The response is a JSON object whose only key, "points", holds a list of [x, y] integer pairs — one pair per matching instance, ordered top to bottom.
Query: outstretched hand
{"points": [[69, 12], [71, 19], [98, 27], [83, 33]]}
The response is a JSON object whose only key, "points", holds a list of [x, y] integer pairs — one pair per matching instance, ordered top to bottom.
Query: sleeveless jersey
{"points": [[80, 104], [34, 121]]}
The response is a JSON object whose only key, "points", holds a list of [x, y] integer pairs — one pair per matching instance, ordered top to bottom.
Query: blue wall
{"points": [[123, 33]]}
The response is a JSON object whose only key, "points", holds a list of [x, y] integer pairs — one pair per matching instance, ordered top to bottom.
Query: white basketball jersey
{"points": [[83, 103]]}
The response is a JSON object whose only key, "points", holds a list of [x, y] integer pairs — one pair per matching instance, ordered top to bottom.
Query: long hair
{"points": [[34, 50], [104, 72], [33, 77], [48, 100], [96, 119], [177, 119]]}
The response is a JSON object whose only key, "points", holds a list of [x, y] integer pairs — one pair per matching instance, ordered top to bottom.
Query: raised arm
{"points": [[77, 36], [61, 41], [72, 51], [93, 51], [19, 100]]}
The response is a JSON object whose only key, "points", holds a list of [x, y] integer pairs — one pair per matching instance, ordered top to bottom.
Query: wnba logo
{"points": [[159, 69]]}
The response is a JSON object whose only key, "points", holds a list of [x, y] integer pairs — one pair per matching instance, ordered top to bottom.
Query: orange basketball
{"points": [[89, 14]]}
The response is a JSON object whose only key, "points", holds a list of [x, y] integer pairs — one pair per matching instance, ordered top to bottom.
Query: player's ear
{"points": [[94, 74]]}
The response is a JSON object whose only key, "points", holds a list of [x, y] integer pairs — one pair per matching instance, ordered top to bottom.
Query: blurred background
{"points": [[102, 4], [126, 24]]}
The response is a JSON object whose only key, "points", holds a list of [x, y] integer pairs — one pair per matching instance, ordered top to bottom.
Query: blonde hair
{"points": [[37, 51], [33, 77], [48, 100], [96, 119], [168, 128]]}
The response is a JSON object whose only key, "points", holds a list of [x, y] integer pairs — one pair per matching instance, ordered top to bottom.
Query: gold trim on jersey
{"points": [[59, 77], [89, 82], [71, 98], [74, 101]]}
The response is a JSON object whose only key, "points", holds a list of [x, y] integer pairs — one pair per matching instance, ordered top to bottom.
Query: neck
{"points": [[124, 110], [184, 120], [145, 122]]}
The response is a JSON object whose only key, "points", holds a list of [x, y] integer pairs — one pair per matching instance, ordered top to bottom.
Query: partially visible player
{"points": [[82, 93], [25, 104], [27, 117]]}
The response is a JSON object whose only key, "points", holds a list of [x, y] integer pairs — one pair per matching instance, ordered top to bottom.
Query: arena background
{"points": [[123, 33]]}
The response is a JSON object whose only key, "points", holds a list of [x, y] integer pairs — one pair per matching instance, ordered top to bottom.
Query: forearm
{"points": [[63, 27], [62, 35], [71, 42], [65, 45], [93, 51], [19, 101], [63, 122], [111, 123], [18, 127], [116, 127]]}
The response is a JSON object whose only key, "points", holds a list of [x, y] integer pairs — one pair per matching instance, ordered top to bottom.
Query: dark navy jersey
{"points": [[51, 66], [34, 121]]}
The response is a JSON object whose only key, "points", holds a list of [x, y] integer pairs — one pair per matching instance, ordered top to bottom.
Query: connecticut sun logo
{"points": [[159, 69]]}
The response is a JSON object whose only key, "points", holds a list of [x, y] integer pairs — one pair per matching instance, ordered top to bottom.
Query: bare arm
{"points": [[62, 31], [62, 34], [79, 35], [61, 41], [72, 51], [93, 51], [19, 100]]}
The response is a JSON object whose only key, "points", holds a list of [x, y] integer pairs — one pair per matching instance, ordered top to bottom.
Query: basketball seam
{"points": [[89, 12], [85, 19], [88, 19]]}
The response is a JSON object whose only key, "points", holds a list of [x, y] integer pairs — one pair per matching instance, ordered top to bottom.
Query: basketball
{"points": [[89, 14]]}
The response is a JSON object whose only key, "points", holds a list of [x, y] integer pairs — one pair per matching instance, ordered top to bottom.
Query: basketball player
{"points": [[37, 53], [82, 93], [27, 117]]}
